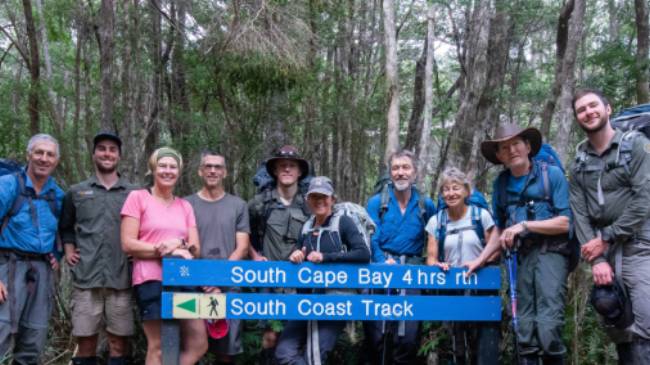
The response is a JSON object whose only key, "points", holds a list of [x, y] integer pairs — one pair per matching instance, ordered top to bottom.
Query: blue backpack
{"points": [[25, 195], [476, 202]]}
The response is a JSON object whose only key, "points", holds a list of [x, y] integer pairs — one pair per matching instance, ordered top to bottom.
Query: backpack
{"points": [[383, 187], [25, 195], [476, 202], [359, 216]]}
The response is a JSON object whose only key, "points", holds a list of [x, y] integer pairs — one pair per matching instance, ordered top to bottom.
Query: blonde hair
{"points": [[164, 152], [453, 174]]}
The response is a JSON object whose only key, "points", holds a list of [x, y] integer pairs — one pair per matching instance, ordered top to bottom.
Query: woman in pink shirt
{"points": [[155, 223]]}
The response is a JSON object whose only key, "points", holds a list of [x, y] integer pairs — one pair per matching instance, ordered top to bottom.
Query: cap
{"points": [[103, 135], [321, 185]]}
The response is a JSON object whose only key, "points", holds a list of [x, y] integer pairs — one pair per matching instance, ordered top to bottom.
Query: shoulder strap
{"points": [[624, 153], [545, 181], [384, 197], [422, 206], [477, 223], [441, 233]]}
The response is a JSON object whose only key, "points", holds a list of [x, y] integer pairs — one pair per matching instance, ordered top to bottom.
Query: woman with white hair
{"points": [[460, 234]]}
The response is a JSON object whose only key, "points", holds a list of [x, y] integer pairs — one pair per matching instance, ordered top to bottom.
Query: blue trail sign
{"points": [[178, 272]]}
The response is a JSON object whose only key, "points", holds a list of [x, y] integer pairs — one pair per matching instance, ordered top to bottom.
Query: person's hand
{"points": [[509, 235], [164, 248], [593, 249], [182, 253], [71, 254], [298, 256], [315, 257], [260, 258], [53, 261], [390, 261], [471, 266], [603, 273], [211, 289], [3, 293]]}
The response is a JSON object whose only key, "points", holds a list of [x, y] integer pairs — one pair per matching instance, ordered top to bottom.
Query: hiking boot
{"points": [[624, 351]]}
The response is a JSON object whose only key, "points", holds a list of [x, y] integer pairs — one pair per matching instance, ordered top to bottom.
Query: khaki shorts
{"points": [[92, 308]]}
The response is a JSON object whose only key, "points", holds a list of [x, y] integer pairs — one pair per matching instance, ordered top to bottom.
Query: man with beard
{"points": [[610, 198], [30, 202], [531, 211], [222, 220], [90, 230], [399, 239]]}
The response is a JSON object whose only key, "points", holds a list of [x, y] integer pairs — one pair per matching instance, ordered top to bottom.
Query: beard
{"points": [[592, 130], [106, 170], [402, 185]]}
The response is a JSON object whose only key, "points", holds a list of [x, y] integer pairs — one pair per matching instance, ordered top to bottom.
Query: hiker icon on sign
{"points": [[213, 306]]}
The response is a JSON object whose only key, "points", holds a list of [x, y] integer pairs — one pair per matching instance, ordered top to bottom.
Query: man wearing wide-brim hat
{"points": [[530, 202], [277, 214]]}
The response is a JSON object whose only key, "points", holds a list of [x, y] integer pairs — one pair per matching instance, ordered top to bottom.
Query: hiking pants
{"points": [[541, 290], [26, 312], [296, 341], [476, 342], [404, 348]]}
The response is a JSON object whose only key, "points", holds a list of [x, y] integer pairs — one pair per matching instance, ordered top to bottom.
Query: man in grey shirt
{"points": [[222, 220]]}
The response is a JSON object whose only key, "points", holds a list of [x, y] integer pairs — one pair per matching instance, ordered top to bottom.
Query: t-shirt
{"points": [[158, 222], [218, 222], [464, 245]]}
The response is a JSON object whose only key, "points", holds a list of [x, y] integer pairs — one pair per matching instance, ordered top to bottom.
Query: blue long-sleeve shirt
{"points": [[20, 233], [397, 233]]}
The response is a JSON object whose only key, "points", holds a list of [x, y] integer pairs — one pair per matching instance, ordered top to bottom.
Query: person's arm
{"points": [[67, 229], [242, 234], [353, 239], [242, 246], [491, 248], [3, 292]]}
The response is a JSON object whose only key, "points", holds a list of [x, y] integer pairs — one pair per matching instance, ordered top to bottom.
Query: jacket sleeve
{"points": [[373, 211], [581, 224]]}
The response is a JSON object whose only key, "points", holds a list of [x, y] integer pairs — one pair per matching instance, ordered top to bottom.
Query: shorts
{"points": [[148, 298], [92, 308]]}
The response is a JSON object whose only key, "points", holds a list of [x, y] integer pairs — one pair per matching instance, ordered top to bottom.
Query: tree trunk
{"points": [[612, 10], [105, 28], [642, 40], [561, 45], [34, 66], [392, 80], [428, 102], [564, 116], [414, 131]]}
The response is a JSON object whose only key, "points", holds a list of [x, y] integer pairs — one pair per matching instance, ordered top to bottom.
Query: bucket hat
{"points": [[509, 131], [287, 152]]}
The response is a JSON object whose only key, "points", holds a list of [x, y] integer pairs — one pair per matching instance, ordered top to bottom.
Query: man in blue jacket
{"points": [[30, 202], [400, 213]]}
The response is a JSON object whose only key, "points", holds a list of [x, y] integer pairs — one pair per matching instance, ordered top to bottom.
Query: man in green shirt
{"points": [[610, 199], [90, 231]]}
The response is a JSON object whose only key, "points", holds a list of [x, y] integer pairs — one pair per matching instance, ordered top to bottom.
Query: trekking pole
{"points": [[511, 263]]}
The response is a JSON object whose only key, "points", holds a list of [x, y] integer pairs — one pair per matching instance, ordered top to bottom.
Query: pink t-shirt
{"points": [[158, 222]]}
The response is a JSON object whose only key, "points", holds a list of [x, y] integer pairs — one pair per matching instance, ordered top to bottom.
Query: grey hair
{"points": [[40, 138], [208, 152], [403, 153], [453, 174]]}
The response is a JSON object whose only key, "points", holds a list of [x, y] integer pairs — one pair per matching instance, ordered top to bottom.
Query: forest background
{"points": [[347, 81]]}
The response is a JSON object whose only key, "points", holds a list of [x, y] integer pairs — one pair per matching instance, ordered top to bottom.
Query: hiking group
{"points": [[114, 234]]}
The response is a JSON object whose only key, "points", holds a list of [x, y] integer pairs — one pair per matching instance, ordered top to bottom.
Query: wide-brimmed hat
{"points": [[509, 131], [287, 152]]}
